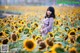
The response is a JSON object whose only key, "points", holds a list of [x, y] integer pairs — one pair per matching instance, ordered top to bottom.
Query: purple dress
{"points": [[47, 26]]}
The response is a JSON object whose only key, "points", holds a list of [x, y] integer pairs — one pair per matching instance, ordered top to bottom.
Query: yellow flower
{"points": [[22, 22], [57, 22], [2, 24], [34, 25], [20, 29], [73, 29], [72, 33], [3, 34], [50, 34], [38, 37], [49, 42], [29, 44], [56, 45], [56, 48], [72, 50]]}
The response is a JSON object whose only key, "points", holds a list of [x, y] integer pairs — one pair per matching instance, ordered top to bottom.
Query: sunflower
{"points": [[4, 20], [22, 22], [57, 22], [2, 24], [34, 25], [16, 26], [12, 28], [20, 29], [32, 29], [73, 29], [72, 33], [2, 34], [50, 34], [34, 36], [14, 37], [38, 37], [5, 41], [49, 42], [29, 44], [42, 45], [56, 45], [57, 48], [72, 50]]}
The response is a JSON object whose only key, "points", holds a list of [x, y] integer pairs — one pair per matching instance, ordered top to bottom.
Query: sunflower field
{"points": [[22, 32]]}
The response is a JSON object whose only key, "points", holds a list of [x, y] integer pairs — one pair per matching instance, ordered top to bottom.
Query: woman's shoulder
{"points": [[51, 18]]}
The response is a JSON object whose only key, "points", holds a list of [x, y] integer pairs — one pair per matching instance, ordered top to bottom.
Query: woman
{"points": [[48, 21]]}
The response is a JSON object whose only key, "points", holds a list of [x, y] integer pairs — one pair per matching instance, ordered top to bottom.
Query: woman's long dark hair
{"points": [[52, 14]]}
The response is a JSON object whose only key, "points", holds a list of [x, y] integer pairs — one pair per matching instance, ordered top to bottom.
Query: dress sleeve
{"points": [[50, 25]]}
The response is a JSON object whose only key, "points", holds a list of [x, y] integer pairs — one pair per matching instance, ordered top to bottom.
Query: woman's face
{"points": [[49, 12]]}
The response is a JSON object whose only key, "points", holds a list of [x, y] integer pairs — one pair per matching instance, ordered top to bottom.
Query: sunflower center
{"points": [[22, 22], [57, 22], [36, 25], [16, 27], [78, 28], [20, 30], [72, 33], [1, 34], [51, 35], [34, 36], [14, 37], [0, 41], [5, 41], [50, 43], [29, 44], [42, 45], [73, 52]]}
